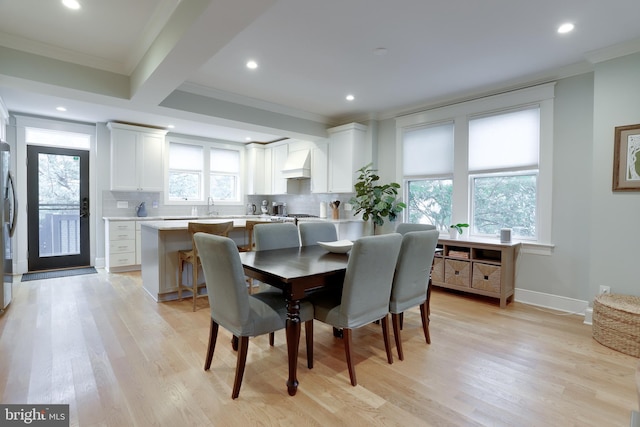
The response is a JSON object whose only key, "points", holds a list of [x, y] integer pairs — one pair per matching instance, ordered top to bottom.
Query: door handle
{"points": [[84, 208], [14, 215]]}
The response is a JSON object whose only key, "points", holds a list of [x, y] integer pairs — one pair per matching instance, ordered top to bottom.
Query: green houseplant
{"points": [[375, 201], [455, 229]]}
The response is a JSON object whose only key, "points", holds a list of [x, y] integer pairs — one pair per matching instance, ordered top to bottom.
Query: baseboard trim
{"points": [[555, 302]]}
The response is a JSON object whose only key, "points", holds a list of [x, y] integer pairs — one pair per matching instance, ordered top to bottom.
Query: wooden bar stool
{"points": [[248, 228], [191, 256]]}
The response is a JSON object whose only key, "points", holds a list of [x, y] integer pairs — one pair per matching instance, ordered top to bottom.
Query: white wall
{"points": [[590, 248]]}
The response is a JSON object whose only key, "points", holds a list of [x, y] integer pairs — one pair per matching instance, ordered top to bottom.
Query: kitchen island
{"points": [[161, 241]]}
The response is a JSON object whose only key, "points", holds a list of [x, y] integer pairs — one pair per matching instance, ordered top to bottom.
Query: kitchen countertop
{"points": [[219, 217]]}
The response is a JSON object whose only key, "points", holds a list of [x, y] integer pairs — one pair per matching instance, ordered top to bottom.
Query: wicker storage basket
{"points": [[437, 272], [457, 272], [486, 277], [616, 322]]}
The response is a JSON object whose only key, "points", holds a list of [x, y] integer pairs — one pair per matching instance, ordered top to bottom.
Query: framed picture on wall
{"points": [[626, 158]]}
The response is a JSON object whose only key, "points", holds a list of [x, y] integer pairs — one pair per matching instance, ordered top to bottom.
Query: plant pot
{"points": [[453, 234]]}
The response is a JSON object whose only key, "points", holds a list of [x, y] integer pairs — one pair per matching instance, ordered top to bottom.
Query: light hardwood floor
{"points": [[100, 344]]}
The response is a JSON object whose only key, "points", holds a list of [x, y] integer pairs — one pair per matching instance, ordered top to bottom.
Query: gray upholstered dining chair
{"points": [[406, 227], [313, 232], [275, 236], [412, 280], [365, 292], [232, 308]]}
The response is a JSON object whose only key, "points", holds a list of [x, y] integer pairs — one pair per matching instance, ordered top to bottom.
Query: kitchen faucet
{"points": [[210, 210]]}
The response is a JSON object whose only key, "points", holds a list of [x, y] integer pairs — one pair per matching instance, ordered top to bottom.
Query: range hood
{"points": [[298, 165]]}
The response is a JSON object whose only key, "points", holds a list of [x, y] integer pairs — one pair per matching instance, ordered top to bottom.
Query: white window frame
{"points": [[541, 96], [207, 145]]}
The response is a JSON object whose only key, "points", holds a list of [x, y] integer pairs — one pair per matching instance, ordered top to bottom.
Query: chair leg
{"points": [[180, 270], [194, 277], [424, 313], [395, 320], [402, 320], [346, 334], [385, 334], [308, 335], [213, 337], [272, 338], [234, 343], [242, 360]]}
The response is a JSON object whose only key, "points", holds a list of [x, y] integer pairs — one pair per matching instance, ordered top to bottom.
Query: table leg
{"points": [[293, 341]]}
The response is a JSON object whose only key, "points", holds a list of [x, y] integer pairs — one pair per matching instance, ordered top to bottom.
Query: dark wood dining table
{"points": [[297, 271]]}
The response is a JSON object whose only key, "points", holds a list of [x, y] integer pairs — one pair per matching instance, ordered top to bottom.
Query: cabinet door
{"points": [[280, 153], [123, 160], [150, 162], [319, 169], [341, 169], [255, 170], [268, 171]]}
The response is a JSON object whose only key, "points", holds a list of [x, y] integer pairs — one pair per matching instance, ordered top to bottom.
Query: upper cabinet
{"points": [[348, 152], [280, 153], [137, 158], [319, 168], [255, 169]]}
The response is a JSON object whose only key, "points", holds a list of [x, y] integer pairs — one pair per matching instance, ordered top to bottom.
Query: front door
{"points": [[58, 207]]}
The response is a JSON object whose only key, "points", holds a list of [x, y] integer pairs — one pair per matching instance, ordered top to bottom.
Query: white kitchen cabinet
{"points": [[348, 152], [137, 158], [319, 168], [255, 169], [279, 182], [120, 239]]}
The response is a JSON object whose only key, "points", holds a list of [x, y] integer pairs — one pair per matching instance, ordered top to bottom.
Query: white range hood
{"points": [[298, 165]]}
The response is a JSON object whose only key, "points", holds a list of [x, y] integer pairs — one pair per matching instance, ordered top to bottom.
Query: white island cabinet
{"points": [[161, 241]]}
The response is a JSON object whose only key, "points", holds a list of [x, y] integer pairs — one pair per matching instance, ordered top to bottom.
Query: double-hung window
{"points": [[486, 162], [199, 170], [428, 172], [503, 172]]}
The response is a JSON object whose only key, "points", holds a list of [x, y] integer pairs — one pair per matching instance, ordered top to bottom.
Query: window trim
{"points": [[460, 113], [205, 173]]}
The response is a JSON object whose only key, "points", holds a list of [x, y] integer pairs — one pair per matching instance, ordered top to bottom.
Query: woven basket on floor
{"points": [[616, 322]]}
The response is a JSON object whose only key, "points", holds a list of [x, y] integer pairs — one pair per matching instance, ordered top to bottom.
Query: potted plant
{"points": [[375, 201], [456, 229]]}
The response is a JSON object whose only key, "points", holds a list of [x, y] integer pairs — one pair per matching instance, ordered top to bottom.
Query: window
{"points": [[503, 166], [198, 170], [185, 172], [428, 172], [500, 173], [225, 175]]}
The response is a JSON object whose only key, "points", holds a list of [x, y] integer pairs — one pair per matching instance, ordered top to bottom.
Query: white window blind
{"points": [[509, 140], [428, 151], [185, 157], [227, 161]]}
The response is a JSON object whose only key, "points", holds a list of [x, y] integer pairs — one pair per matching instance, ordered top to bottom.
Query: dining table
{"points": [[298, 272]]}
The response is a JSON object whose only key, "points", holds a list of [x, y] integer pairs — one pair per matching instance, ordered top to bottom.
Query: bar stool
{"points": [[191, 256]]}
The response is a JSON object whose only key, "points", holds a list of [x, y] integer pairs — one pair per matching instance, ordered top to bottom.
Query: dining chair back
{"points": [[407, 227], [248, 230], [313, 232], [278, 235], [191, 256], [411, 280], [365, 292], [232, 308]]}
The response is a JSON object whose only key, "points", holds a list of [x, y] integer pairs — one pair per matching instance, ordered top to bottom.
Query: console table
{"points": [[477, 266]]}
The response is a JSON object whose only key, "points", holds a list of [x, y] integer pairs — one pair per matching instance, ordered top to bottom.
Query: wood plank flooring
{"points": [[102, 345]]}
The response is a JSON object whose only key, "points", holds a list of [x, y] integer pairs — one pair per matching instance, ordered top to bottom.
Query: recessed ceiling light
{"points": [[71, 4], [566, 28], [252, 65], [350, 97], [61, 108], [171, 126], [248, 138]]}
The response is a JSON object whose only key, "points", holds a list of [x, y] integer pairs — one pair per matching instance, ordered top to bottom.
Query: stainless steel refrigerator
{"points": [[8, 221]]}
